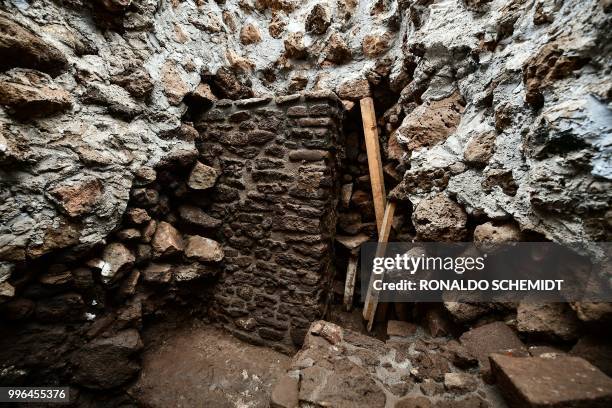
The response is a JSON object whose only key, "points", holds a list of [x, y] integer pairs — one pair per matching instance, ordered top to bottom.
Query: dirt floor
{"points": [[198, 365]]}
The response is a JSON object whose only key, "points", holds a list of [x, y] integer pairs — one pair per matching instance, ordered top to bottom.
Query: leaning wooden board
{"points": [[370, 132], [371, 301]]}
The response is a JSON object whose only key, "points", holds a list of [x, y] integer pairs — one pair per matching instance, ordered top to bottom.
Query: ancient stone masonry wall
{"points": [[276, 194]]}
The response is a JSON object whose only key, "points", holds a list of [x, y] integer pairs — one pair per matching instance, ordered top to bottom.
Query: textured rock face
{"points": [[114, 99]]}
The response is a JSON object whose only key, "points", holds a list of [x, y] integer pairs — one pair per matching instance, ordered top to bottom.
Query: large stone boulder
{"points": [[202, 177], [439, 219], [167, 240], [203, 249], [116, 259], [554, 321], [491, 338], [107, 363], [560, 381]]}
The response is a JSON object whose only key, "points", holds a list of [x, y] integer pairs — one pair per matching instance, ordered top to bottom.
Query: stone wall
{"points": [[276, 193]]}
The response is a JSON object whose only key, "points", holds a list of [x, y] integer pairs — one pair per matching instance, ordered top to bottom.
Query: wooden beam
{"points": [[377, 180], [349, 285], [371, 301]]}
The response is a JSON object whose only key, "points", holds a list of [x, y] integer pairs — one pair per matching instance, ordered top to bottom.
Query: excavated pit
{"points": [[166, 197]]}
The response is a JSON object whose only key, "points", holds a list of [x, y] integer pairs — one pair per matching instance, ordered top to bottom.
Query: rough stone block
{"points": [[492, 338], [560, 382]]}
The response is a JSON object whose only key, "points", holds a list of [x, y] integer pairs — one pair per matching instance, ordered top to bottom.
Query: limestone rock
{"points": [[477, 5], [318, 20], [277, 26], [249, 34], [374, 45], [294, 46], [22, 47], [336, 50], [550, 64], [136, 80], [230, 85], [175, 87], [354, 89], [29, 93], [204, 94], [117, 100], [431, 122], [394, 149], [479, 149], [202, 177], [346, 194], [78, 197], [138, 216], [196, 216], [439, 219], [148, 231], [488, 236], [167, 240], [203, 249], [116, 258], [7, 291], [593, 311], [466, 312], [551, 320], [437, 322], [329, 331], [106, 363], [562, 381], [460, 382]]}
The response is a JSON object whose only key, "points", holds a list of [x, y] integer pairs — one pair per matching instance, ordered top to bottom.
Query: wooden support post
{"points": [[377, 180], [349, 285], [371, 301]]}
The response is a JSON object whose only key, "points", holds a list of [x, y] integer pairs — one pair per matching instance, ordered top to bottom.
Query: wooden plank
{"points": [[370, 131], [349, 285], [371, 301]]}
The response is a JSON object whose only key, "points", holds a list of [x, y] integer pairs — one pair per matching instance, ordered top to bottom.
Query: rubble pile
{"points": [[341, 368]]}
